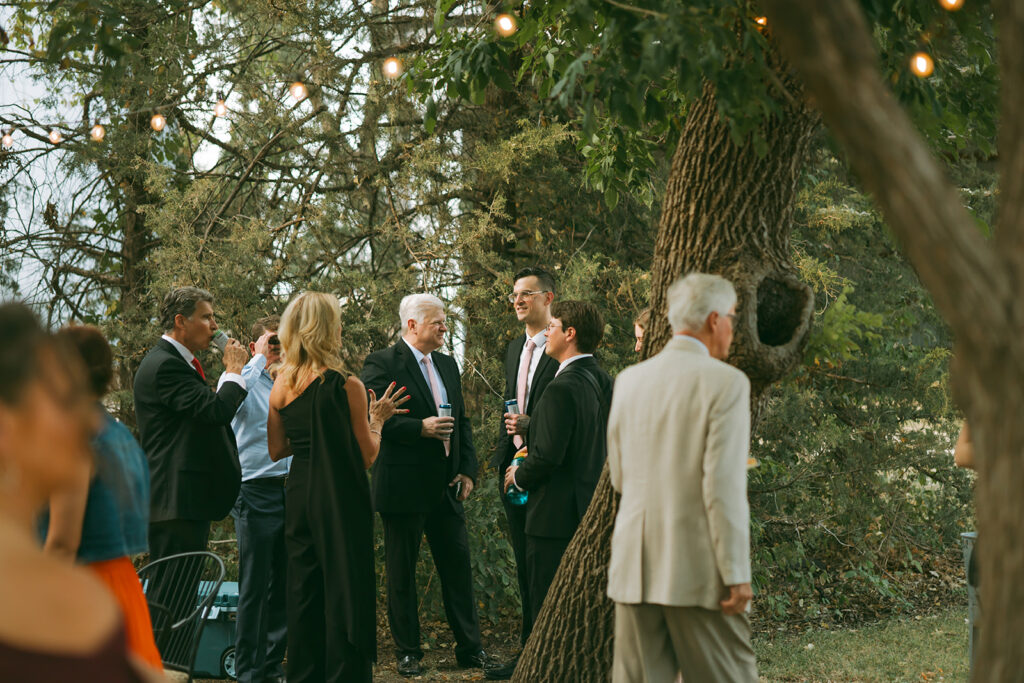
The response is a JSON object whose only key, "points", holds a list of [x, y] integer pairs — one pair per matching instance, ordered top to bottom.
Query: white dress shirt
{"points": [[540, 340], [189, 356]]}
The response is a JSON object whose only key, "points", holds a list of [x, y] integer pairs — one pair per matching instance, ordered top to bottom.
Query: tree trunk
{"points": [[727, 210], [975, 283]]}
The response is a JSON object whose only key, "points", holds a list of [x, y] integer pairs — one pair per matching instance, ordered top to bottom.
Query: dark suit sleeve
{"points": [[377, 376], [178, 390], [552, 425], [504, 442], [468, 464]]}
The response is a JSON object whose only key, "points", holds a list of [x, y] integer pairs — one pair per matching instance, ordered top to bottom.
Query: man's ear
{"points": [[549, 298], [569, 335], [252, 348]]}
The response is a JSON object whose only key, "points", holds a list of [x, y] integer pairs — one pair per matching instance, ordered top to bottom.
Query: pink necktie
{"points": [[524, 375], [436, 391]]}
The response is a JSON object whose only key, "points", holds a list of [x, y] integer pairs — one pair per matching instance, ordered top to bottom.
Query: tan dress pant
{"points": [[653, 643]]}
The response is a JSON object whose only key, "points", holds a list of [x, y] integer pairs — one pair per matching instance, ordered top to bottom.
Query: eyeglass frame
{"points": [[515, 296]]}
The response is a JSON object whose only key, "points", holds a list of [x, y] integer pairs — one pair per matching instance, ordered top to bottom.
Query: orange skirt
{"points": [[120, 577]]}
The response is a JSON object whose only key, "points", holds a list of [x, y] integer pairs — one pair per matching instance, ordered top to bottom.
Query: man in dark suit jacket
{"points": [[527, 372], [185, 427], [566, 443], [425, 470]]}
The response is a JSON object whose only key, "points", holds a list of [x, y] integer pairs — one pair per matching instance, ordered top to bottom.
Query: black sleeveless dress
{"points": [[329, 538]]}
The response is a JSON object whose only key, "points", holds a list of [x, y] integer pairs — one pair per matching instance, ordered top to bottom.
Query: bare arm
{"points": [[368, 418], [277, 442], [963, 453], [67, 512]]}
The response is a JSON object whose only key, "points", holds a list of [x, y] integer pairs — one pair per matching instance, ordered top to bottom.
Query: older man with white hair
{"points": [[678, 442], [426, 469]]}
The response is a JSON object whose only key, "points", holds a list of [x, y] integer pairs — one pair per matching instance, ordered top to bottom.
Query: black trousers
{"points": [[516, 515], [449, 546], [543, 555], [170, 597], [262, 626], [319, 650]]}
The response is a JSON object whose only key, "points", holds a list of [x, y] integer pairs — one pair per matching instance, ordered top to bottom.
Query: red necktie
{"points": [[199, 368]]}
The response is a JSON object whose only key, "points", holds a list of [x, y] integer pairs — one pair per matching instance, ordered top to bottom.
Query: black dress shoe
{"points": [[477, 660], [409, 666], [501, 672]]}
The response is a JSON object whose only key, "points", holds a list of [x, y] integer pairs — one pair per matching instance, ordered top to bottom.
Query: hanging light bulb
{"points": [[951, 5], [762, 23], [505, 24], [922, 65], [392, 67], [298, 91], [220, 109], [158, 122], [97, 133], [55, 136], [7, 140]]}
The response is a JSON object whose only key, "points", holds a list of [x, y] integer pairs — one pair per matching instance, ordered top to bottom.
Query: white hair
{"points": [[692, 298], [417, 307]]}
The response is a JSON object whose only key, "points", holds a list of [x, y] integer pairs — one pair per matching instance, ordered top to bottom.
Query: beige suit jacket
{"points": [[678, 442]]}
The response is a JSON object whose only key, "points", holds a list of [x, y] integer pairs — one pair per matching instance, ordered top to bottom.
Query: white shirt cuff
{"points": [[231, 377]]}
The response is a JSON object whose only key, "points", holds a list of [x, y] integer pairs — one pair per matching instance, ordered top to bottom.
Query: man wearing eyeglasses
{"points": [[527, 372], [260, 637]]}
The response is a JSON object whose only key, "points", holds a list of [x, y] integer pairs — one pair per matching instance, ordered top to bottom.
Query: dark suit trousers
{"points": [[516, 515], [449, 545], [543, 555], [262, 580], [167, 594]]}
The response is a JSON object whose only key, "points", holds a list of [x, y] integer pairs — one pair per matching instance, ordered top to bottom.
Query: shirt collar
{"points": [[540, 339], [693, 341], [181, 348], [417, 354], [565, 363]]}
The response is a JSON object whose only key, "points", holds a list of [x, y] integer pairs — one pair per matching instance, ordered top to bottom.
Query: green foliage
{"points": [[857, 502]]}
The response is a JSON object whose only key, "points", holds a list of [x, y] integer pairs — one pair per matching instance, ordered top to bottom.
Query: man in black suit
{"points": [[527, 372], [185, 427], [566, 443], [425, 470]]}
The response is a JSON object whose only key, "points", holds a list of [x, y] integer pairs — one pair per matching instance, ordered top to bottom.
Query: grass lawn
{"points": [[924, 648]]}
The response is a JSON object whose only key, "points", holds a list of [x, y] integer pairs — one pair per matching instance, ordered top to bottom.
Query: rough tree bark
{"points": [[727, 210], [976, 283]]}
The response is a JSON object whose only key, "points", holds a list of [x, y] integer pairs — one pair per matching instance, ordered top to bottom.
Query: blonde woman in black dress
{"points": [[321, 417]]}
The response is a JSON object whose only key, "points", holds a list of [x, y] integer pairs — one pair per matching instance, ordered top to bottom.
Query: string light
{"points": [[951, 5], [762, 23], [505, 24], [922, 65], [392, 67], [298, 91], [220, 109], [158, 122], [97, 133], [55, 136], [7, 140]]}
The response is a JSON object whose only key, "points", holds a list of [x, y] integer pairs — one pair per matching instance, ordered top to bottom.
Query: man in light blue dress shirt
{"points": [[259, 521]]}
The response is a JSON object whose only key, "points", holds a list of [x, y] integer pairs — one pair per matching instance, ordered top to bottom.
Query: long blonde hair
{"points": [[310, 338]]}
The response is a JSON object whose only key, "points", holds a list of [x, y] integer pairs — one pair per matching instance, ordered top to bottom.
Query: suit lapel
{"points": [[515, 351], [173, 352], [413, 368], [444, 369], [541, 378]]}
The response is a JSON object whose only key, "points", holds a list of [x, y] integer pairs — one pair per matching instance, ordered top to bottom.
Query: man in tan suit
{"points": [[678, 441]]}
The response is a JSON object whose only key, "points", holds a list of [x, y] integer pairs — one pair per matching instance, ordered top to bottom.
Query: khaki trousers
{"points": [[653, 643]]}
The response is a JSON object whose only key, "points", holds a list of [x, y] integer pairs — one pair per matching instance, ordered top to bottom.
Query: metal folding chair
{"points": [[180, 590]]}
